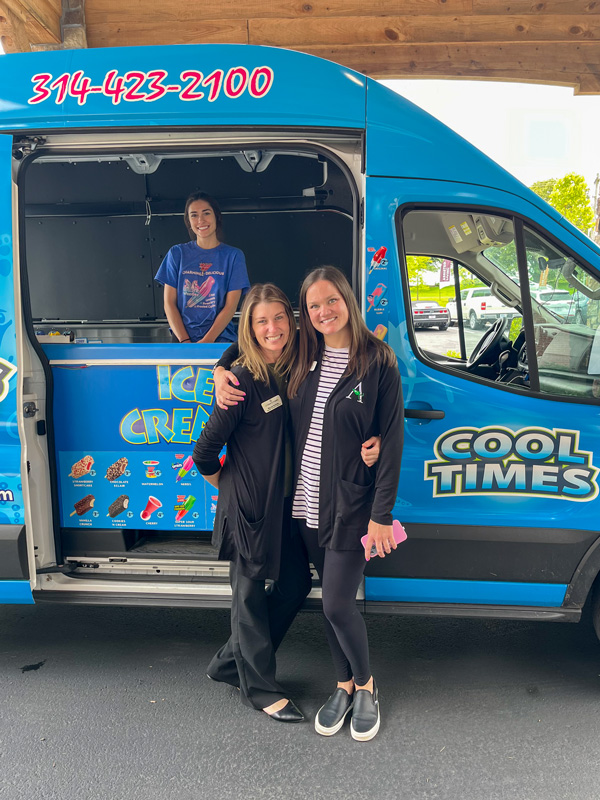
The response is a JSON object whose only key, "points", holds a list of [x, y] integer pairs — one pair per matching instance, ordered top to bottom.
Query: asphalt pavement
{"points": [[113, 703]]}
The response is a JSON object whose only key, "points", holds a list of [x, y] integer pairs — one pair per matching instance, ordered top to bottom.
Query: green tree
{"points": [[544, 188], [570, 196], [417, 265]]}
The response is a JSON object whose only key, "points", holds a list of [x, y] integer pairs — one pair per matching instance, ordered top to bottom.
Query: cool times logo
{"points": [[497, 461]]}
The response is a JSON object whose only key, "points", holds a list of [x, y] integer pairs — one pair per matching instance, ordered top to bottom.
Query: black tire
{"points": [[474, 323], [445, 326], [595, 608]]}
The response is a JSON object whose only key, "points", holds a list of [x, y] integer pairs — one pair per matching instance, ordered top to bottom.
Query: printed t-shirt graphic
{"points": [[202, 279]]}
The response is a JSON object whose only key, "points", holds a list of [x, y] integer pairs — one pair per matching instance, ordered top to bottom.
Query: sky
{"points": [[534, 131]]}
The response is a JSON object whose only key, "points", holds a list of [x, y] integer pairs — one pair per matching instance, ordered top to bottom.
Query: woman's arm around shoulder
{"points": [[218, 429]]}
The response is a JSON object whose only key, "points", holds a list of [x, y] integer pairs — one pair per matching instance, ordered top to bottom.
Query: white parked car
{"points": [[479, 306]]}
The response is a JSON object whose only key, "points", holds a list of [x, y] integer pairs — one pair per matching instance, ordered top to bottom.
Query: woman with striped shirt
{"points": [[344, 387]]}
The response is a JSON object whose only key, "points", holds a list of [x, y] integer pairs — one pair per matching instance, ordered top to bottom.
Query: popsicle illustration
{"points": [[378, 259], [375, 297], [380, 331], [81, 467], [185, 468], [117, 469], [84, 505], [187, 505], [118, 506]]}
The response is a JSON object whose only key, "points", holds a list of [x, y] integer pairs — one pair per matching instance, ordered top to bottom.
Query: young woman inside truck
{"points": [[203, 279]]}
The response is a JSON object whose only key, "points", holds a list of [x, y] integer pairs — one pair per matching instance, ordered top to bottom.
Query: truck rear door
{"points": [[16, 571]]}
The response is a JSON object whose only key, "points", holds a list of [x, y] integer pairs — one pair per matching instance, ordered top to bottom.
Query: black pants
{"points": [[341, 572], [260, 619]]}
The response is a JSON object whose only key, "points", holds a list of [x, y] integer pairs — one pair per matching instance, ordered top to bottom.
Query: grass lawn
{"points": [[441, 296]]}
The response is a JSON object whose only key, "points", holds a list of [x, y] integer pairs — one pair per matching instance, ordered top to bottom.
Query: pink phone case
{"points": [[398, 533]]}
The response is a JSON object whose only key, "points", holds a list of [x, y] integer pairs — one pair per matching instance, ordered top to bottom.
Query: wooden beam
{"points": [[536, 7], [133, 11], [41, 19], [428, 29], [13, 32], [147, 33], [556, 63]]}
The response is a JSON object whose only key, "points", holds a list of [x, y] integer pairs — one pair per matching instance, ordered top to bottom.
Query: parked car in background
{"points": [[558, 301], [479, 306], [568, 307], [430, 314]]}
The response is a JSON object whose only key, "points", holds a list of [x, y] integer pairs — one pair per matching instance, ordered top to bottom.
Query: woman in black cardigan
{"points": [[344, 387], [253, 520], [252, 523]]}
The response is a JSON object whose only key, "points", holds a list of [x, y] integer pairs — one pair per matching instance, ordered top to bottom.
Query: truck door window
{"points": [[450, 319]]}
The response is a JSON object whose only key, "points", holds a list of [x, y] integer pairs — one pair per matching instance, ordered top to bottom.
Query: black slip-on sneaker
{"points": [[365, 715], [330, 717]]}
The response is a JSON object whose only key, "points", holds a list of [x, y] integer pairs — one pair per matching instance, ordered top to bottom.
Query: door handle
{"points": [[424, 413]]}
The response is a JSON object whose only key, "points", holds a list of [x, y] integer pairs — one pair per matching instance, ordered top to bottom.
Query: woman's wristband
{"points": [[181, 341]]}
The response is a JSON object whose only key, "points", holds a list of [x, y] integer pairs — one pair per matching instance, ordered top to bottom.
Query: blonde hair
{"points": [[362, 340], [251, 356]]}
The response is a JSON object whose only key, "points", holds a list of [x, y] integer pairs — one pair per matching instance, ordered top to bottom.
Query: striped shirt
{"points": [[306, 498]]}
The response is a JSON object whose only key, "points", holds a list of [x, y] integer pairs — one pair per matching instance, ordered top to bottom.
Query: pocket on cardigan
{"points": [[354, 503], [251, 538]]}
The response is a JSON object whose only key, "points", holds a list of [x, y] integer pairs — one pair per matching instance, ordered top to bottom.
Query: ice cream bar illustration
{"points": [[378, 259], [375, 297], [380, 331], [81, 467], [185, 468], [117, 469], [188, 504], [83, 506], [119, 506], [151, 506]]}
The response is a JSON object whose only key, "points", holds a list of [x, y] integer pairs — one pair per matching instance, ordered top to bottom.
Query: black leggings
{"points": [[341, 572]]}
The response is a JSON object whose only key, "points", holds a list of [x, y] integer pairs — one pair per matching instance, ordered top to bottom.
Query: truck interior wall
{"points": [[96, 232]]}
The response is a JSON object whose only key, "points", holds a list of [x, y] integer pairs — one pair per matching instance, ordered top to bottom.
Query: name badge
{"points": [[273, 402]]}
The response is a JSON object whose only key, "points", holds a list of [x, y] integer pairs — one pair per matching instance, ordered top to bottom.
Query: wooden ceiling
{"points": [[542, 41]]}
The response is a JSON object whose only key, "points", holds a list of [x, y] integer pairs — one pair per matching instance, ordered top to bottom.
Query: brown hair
{"points": [[211, 202], [362, 341], [251, 356]]}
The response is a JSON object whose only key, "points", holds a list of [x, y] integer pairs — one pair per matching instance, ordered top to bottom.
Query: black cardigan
{"points": [[350, 493], [249, 516]]}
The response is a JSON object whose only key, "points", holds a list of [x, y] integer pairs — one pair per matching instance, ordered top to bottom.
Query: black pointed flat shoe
{"points": [[289, 713]]}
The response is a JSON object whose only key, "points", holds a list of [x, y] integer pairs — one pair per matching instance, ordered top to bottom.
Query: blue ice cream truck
{"points": [[312, 164]]}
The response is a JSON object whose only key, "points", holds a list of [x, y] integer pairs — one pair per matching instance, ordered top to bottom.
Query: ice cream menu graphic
{"points": [[125, 437]]}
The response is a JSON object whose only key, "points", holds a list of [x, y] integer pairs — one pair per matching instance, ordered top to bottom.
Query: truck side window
{"points": [[447, 275], [565, 305]]}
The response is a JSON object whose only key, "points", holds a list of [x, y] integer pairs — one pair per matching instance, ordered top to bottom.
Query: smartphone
{"points": [[398, 533]]}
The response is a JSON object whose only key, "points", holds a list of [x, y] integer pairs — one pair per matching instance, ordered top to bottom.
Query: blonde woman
{"points": [[253, 520]]}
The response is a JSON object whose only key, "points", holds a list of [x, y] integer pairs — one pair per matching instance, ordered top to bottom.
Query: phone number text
{"points": [[147, 87]]}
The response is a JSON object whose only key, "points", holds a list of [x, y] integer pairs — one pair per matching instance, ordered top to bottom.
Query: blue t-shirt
{"points": [[202, 279]]}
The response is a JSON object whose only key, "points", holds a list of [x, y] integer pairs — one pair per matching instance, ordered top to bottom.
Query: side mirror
{"points": [[568, 270]]}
